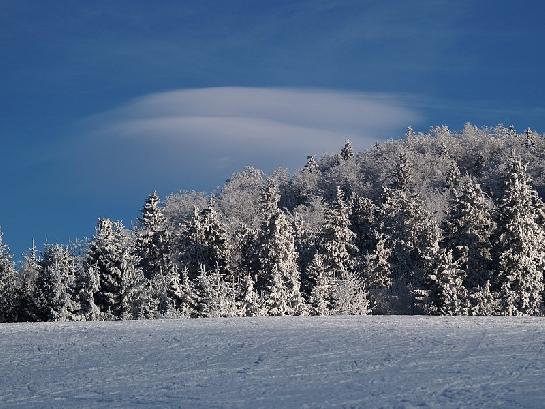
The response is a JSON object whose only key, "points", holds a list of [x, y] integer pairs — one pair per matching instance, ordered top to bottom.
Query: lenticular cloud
{"points": [[271, 126]]}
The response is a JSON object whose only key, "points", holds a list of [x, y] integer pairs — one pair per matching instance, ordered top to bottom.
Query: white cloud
{"points": [[233, 126], [195, 139]]}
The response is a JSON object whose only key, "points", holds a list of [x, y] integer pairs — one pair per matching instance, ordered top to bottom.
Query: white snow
{"points": [[284, 362]]}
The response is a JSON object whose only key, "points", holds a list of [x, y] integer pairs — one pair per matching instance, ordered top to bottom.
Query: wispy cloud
{"points": [[233, 126], [195, 138]]}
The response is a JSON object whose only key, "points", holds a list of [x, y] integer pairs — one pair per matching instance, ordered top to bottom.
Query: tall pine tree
{"points": [[467, 230], [153, 244], [521, 244], [279, 277], [55, 284], [8, 285]]}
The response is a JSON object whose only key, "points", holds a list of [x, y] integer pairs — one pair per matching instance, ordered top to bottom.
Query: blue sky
{"points": [[104, 101]]}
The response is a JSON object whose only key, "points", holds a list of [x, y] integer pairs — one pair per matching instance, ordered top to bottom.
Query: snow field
{"points": [[276, 362]]}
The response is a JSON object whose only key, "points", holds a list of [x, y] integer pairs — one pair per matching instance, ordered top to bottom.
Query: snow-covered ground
{"points": [[291, 362]]}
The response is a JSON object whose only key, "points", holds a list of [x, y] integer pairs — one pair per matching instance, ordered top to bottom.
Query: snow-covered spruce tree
{"points": [[347, 152], [311, 166], [305, 182], [362, 223], [468, 228], [411, 236], [153, 242], [206, 242], [521, 244], [305, 246], [338, 247], [338, 251], [247, 256], [108, 263], [377, 274], [278, 276], [8, 284], [55, 284], [86, 284], [321, 287], [349, 296], [448, 296], [189, 297], [215, 298], [146, 299], [483, 301], [249, 304], [26, 310]]}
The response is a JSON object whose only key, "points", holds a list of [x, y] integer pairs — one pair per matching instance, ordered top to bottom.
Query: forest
{"points": [[439, 222]]}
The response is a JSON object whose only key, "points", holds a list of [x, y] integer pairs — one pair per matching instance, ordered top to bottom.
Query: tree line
{"points": [[440, 223]]}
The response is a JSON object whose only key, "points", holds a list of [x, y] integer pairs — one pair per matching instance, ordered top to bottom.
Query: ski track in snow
{"points": [[284, 362]]}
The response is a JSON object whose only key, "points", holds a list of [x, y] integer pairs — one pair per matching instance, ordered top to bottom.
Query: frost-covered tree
{"points": [[347, 152], [311, 166], [363, 216], [468, 228], [411, 236], [153, 243], [207, 243], [521, 244], [338, 248], [111, 263], [378, 272], [278, 276], [8, 284], [55, 284], [86, 284], [321, 288], [349, 296], [448, 296], [215, 297], [146, 299], [189, 300], [483, 301], [250, 304], [26, 310]]}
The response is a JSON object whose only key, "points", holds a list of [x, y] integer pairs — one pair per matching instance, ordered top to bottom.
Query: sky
{"points": [[103, 102]]}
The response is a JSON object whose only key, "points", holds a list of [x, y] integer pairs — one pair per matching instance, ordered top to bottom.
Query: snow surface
{"points": [[289, 362]]}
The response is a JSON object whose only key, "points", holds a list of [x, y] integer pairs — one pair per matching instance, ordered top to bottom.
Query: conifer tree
{"points": [[347, 152], [311, 166], [362, 223], [468, 228], [411, 237], [207, 242], [247, 242], [153, 243], [521, 244], [338, 246], [109, 263], [378, 272], [29, 273], [279, 274], [55, 284], [8, 285], [86, 285], [320, 295], [448, 295], [349, 296], [189, 297], [215, 298], [146, 299], [277, 299], [483, 301], [250, 302]]}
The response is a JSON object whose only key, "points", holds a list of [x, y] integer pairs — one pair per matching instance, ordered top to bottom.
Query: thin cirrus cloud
{"points": [[222, 129]]}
